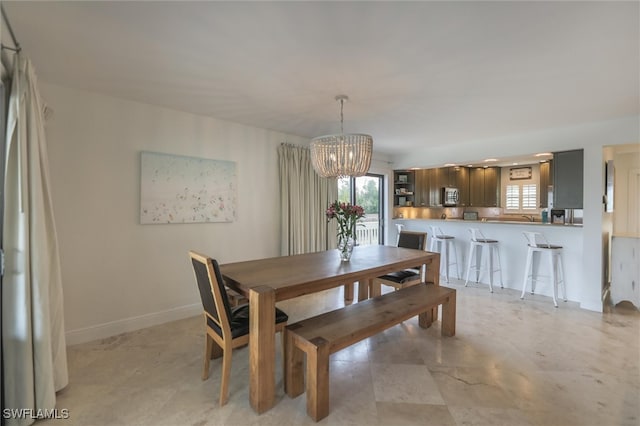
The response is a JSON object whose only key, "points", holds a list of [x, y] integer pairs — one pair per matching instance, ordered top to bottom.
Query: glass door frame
{"points": [[353, 199]]}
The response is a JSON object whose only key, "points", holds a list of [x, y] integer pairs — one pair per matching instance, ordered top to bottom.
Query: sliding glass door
{"points": [[3, 121], [366, 191]]}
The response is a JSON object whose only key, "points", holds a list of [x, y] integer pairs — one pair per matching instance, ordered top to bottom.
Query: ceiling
{"points": [[418, 74]]}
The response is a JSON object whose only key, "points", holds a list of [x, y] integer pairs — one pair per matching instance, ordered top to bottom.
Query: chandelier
{"points": [[341, 155]]}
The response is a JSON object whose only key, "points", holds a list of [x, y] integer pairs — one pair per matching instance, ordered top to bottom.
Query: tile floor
{"points": [[512, 362]]}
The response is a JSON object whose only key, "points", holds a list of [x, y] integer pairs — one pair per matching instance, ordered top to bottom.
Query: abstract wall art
{"points": [[178, 189]]}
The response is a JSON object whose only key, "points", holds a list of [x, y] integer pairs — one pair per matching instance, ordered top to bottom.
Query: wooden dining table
{"points": [[267, 281]]}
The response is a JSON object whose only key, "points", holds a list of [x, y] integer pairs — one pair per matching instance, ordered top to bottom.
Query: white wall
{"points": [[592, 137], [626, 163], [119, 275]]}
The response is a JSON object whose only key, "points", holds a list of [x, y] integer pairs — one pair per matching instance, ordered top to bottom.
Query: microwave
{"points": [[450, 196]]}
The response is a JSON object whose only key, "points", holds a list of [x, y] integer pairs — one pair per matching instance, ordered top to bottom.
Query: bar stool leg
{"points": [[472, 248], [455, 254], [479, 259], [499, 265], [490, 268], [561, 271], [526, 272], [554, 278]]}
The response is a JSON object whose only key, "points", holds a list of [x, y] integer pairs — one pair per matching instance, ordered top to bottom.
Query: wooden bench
{"points": [[322, 335]]}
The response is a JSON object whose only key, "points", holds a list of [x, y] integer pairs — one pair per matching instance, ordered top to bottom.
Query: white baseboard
{"points": [[113, 328]]}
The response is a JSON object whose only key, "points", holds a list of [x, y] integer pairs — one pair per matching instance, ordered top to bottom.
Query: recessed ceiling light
{"points": [[543, 154], [490, 160], [543, 161], [515, 164], [449, 165], [470, 165]]}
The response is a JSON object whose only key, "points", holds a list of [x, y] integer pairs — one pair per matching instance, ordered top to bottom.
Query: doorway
{"points": [[365, 191]]}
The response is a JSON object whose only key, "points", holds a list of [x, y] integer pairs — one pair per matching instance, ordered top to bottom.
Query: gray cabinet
{"points": [[568, 169]]}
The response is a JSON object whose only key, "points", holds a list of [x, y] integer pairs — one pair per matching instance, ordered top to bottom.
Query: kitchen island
{"points": [[513, 249]]}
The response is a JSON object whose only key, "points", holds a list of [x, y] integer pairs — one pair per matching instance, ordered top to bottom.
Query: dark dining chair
{"points": [[406, 277], [226, 328]]}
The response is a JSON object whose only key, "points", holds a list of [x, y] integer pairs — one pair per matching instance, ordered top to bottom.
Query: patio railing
{"points": [[367, 233]]}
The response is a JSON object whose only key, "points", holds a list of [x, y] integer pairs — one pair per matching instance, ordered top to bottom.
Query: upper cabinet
{"points": [[568, 169], [459, 178], [546, 180], [429, 184], [479, 187], [484, 187], [403, 188], [423, 188]]}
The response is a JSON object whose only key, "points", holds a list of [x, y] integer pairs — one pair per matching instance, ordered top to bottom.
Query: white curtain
{"points": [[304, 198], [35, 359]]}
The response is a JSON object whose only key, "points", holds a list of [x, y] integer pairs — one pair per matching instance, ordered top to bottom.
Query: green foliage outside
{"points": [[366, 193]]}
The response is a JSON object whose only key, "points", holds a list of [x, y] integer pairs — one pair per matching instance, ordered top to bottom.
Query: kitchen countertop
{"points": [[496, 221]]}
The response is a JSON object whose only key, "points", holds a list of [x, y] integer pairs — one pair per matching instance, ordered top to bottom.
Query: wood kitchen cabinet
{"points": [[439, 178], [459, 178], [546, 180], [429, 184], [476, 187], [484, 187], [492, 187], [423, 188]]}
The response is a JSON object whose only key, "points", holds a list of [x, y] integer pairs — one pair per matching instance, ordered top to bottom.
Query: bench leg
{"points": [[363, 290], [449, 316], [425, 319], [293, 367], [318, 380]]}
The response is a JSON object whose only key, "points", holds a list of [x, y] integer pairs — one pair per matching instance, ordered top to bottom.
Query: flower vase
{"points": [[345, 247]]}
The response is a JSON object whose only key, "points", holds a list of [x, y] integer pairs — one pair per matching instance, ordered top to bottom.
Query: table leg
{"points": [[432, 276], [375, 288], [262, 351]]}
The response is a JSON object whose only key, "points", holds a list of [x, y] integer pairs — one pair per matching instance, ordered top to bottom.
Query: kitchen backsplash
{"points": [[494, 213]]}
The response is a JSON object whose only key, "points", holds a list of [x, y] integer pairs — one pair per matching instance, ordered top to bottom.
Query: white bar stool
{"points": [[399, 227], [441, 243], [537, 243], [479, 245]]}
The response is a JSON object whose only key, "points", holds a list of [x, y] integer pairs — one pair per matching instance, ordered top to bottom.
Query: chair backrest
{"points": [[436, 231], [476, 234], [536, 239], [412, 240], [212, 291]]}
